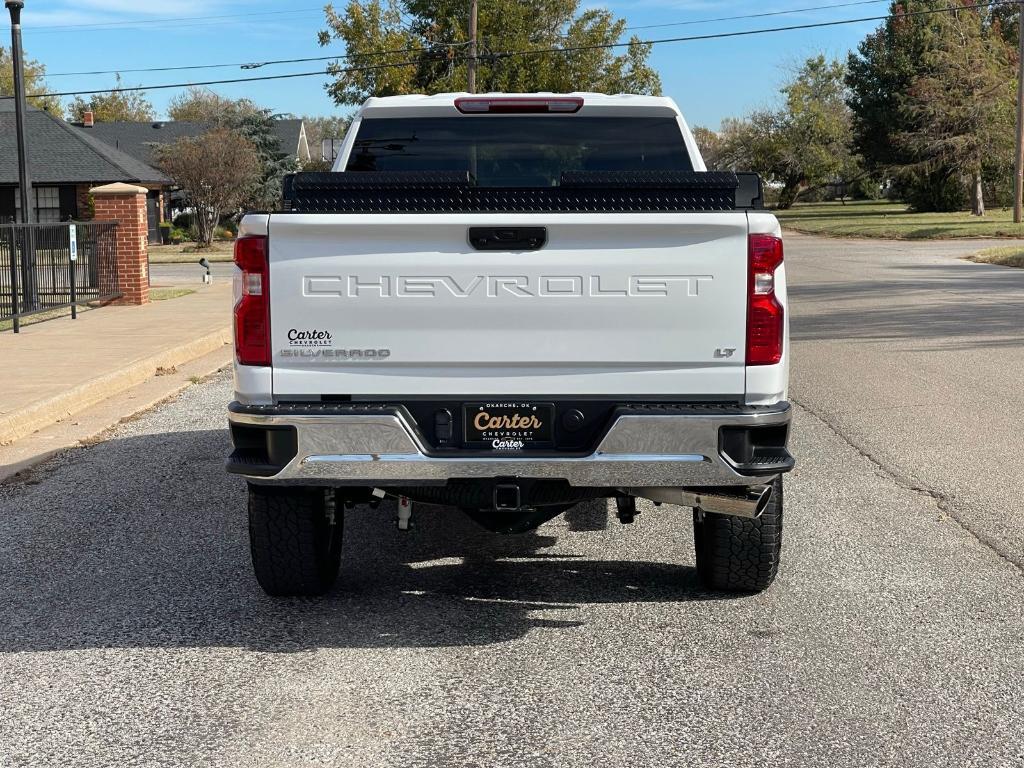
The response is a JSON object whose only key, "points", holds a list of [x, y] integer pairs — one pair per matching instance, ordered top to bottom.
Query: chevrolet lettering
{"points": [[499, 286]]}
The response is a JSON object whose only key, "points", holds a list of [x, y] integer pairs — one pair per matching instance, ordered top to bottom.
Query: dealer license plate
{"points": [[509, 425]]}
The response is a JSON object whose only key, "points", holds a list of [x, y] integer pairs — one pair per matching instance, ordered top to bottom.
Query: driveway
{"points": [[132, 631]]}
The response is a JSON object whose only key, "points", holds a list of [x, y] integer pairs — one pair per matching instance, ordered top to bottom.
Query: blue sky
{"points": [[709, 79]]}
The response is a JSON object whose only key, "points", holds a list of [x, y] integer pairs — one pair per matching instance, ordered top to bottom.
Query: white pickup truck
{"points": [[510, 304]]}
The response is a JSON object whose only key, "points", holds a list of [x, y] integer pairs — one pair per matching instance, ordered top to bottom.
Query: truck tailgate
{"points": [[403, 305]]}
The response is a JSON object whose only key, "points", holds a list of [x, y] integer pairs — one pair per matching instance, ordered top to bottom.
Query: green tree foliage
{"points": [[428, 40], [908, 56], [35, 82], [113, 106], [959, 111], [257, 129], [802, 145]]}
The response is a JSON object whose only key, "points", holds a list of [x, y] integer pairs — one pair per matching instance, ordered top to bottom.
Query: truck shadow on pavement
{"points": [[142, 542]]}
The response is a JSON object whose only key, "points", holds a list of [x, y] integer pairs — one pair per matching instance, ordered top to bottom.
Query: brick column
{"points": [[126, 204]]}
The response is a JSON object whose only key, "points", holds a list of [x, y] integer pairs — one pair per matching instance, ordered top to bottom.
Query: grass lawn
{"points": [[892, 220], [188, 253], [1004, 256], [162, 294]]}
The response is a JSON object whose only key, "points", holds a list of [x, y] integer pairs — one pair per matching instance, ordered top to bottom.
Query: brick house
{"points": [[64, 163]]}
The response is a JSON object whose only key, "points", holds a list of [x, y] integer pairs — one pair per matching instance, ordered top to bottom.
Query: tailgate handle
{"points": [[508, 238]]}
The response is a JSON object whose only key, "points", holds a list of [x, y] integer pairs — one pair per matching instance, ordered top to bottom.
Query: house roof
{"points": [[140, 139], [60, 154]]}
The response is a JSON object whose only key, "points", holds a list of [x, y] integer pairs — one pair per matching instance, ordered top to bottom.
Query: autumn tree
{"points": [[396, 47], [914, 53], [35, 82], [114, 105], [203, 105], [960, 110], [250, 120], [319, 128], [710, 145], [801, 145], [217, 171]]}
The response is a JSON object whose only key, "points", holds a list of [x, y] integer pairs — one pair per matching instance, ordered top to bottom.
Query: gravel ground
{"points": [[133, 633]]}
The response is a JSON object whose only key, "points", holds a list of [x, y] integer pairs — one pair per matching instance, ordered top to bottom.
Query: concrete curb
{"points": [[55, 409], [93, 424]]}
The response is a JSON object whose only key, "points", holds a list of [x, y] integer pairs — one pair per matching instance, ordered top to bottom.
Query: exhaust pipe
{"points": [[744, 502]]}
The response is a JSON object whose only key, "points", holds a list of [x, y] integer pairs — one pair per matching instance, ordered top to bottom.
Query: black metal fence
{"points": [[50, 266]]}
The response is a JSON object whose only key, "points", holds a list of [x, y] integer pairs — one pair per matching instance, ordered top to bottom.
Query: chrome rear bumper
{"points": [[678, 448]]}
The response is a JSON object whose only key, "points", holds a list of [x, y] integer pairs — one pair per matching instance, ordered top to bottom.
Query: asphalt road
{"points": [[188, 274], [132, 632]]}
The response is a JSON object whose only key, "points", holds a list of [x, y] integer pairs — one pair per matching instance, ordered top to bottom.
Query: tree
{"points": [[425, 44], [881, 77], [35, 82], [202, 105], [113, 106], [960, 110], [249, 120], [319, 128], [258, 129], [710, 145], [802, 145], [217, 171]]}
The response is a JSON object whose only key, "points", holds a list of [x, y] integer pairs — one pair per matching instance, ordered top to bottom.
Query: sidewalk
{"points": [[57, 368]]}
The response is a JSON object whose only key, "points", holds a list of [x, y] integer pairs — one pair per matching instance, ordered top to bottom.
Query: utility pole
{"points": [[471, 64], [1018, 177], [24, 182]]}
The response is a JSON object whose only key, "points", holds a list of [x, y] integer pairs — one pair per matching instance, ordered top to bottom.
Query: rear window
{"points": [[519, 151]]}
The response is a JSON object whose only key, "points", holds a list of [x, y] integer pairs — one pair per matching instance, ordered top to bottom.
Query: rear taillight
{"points": [[518, 104], [252, 309], [765, 315]]}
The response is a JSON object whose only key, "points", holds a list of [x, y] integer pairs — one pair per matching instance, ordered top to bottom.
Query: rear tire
{"points": [[295, 538], [736, 554]]}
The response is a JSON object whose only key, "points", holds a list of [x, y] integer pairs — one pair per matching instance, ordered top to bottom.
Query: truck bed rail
{"points": [[578, 192]]}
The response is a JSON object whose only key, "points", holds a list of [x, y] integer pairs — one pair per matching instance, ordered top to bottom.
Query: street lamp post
{"points": [[24, 180]]}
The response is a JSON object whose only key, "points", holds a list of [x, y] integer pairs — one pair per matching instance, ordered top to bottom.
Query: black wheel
{"points": [[295, 537], [737, 554]]}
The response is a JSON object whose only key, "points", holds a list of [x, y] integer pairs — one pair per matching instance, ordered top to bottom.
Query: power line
{"points": [[753, 15], [749, 32], [539, 51], [254, 64], [258, 64], [129, 89]]}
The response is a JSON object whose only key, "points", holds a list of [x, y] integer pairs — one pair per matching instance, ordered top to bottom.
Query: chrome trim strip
{"points": [[333, 458]]}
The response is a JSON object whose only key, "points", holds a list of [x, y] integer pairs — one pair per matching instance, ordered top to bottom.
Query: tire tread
{"points": [[295, 550], [737, 554]]}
